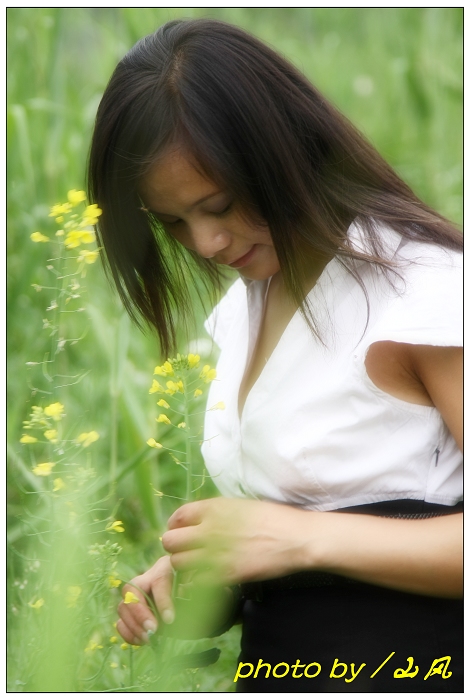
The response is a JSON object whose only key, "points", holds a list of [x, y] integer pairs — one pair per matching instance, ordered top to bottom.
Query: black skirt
{"points": [[315, 632]]}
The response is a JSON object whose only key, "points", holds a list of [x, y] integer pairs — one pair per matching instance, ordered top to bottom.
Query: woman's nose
{"points": [[209, 240]]}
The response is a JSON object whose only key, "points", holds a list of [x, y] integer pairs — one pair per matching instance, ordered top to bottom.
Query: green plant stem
{"points": [[113, 442], [189, 463]]}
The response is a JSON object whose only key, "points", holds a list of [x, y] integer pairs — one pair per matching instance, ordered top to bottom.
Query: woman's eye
{"points": [[225, 210]]}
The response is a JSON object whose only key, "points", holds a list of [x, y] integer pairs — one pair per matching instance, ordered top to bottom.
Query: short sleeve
{"points": [[428, 309], [220, 320]]}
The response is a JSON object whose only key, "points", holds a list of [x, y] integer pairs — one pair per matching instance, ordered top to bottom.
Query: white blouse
{"points": [[315, 431]]}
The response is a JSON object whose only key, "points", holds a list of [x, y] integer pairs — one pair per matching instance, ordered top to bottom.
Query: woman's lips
{"points": [[244, 260]]}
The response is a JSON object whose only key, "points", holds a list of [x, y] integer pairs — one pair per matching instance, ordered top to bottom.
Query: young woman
{"points": [[339, 454]]}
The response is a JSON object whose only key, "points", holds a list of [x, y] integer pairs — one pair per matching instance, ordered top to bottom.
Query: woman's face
{"points": [[206, 219]]}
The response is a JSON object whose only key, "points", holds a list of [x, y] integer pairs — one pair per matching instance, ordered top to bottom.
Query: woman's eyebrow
{"points": [[203, 199], [195, 204]]}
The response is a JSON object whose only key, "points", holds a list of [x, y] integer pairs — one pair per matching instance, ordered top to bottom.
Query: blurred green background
{"points": [[395, 72]]}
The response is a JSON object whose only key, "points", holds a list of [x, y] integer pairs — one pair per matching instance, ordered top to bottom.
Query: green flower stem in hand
{"points": [[187, 383]]}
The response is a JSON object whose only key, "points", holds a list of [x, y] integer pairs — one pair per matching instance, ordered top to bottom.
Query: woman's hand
{"points": [[233, 540], [196, 611], [136, 619]]}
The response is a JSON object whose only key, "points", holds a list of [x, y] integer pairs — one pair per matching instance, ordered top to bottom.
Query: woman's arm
{"points": [[233, 541], [418, 556]]}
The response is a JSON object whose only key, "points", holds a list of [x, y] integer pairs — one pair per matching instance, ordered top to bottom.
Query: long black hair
{"points": [[257, 127]]}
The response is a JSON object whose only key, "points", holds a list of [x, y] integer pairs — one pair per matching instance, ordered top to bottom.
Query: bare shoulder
{"points": [[421, 374]]}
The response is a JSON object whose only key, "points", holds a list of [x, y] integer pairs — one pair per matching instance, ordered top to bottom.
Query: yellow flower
{"points": [[75, 197], [59, 209], [91, 214], [59, 233], [38, 237], [88, 237], [76, 238], [73, 240], [88, 256], [193, 360], [166, 370], [208, 374], [155, 387], [174, 387], [197, 393], [163, 403], [219, 406], [55, 411], [162, 418], [181, 425], [51, 435], [88, 438], [26, 439], [153, 443], [43, 469], [58, 484], [116, 526], [114, 582], [73, 594], [130, 598], [38, 604], [113, 640], [93, 646], [124, 646], [113, 664]]}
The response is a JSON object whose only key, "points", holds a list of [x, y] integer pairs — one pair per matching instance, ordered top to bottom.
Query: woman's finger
{"points": [[189, 514], [182, 539], [190, 559], [161, 592], [134, 610], [134, 615], [126, 633]]}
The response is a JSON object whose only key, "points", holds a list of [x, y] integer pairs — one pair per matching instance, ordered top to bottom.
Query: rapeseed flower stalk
{"points": [[187, 384], [182, 394], [58, 529]]}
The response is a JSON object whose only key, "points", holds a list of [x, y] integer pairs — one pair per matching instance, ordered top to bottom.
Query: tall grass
{"points": [[395, 72]]}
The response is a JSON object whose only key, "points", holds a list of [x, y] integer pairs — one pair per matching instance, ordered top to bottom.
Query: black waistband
{"points": [[406, 508]]}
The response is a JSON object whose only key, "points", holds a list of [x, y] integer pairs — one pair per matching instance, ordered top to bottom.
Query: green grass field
{"points": [[395, 72]]}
